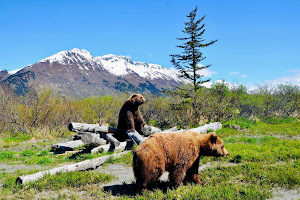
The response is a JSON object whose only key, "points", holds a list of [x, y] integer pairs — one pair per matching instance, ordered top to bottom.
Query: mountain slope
{"points": [[78, 73]]}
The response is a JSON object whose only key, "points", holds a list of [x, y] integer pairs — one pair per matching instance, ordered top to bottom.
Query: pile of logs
{"points": [[95, 137], [100, 138]]}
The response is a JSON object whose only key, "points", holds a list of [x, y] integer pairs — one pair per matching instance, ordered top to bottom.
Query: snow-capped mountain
{"points": [[122, 65], [78, 73]]}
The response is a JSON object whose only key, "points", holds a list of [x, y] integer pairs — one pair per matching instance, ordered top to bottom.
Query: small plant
{"points": [[28, 152], [44, 153], [236, 159]]}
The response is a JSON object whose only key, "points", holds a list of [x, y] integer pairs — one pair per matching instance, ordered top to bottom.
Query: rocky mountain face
{"points": [[78, 73]]}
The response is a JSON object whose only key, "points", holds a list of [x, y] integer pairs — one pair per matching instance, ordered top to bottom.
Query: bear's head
{"points": [[137, 99], [214, 146]]}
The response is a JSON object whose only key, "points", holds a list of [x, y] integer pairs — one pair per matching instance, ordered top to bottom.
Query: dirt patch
{"points": [[12, 168], [285, 194]]}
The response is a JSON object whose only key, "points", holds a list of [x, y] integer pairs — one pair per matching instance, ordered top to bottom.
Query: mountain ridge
{"points": [[78, 73]]}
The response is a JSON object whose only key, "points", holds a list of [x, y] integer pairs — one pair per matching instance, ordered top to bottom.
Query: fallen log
{"points": [[82, 128], [201, 129], [204, 129], [149, 130], [171, 130], [135, 137], [110, 138], [92, 139], [67, 146], [109, 147], [81, 166]]}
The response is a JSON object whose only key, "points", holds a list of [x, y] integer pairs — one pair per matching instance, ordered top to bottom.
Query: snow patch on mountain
{"points": [[75, 55], [114, 64], [122, 65], [14, 71]]}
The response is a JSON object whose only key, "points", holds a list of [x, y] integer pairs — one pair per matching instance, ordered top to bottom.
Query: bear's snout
{"points": [[225, 152]]}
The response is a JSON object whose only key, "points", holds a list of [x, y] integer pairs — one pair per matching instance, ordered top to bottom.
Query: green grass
{"points": [[274, 120], [243, 123], [262, 128], [19, 137], [265, 149], [36, 156], [125, 159], [268, 176], [219, 191]]}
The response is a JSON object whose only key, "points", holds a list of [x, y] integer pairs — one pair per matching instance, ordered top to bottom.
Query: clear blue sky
{"points": [[259, 40]]}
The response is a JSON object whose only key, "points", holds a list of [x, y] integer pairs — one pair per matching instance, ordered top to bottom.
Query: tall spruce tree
{"points": [[188, 62]]}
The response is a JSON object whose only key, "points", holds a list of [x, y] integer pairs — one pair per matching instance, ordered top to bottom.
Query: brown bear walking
{"points": [[130, 117], [177, 153]]}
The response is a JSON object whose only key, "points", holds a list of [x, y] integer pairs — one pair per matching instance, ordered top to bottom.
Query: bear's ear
{"points": [[132, 98], [213, 138]]}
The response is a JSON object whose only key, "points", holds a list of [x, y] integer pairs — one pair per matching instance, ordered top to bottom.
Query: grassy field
{"points": [[264, 154]]}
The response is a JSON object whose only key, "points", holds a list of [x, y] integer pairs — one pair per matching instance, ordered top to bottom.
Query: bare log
{"points": [[82, 128], [201, 129], [204, 129], [149, 130], [171, 130], [109, 137], [135, 137], [92, 139], [67, 146], [109, 147], [81, 166]]}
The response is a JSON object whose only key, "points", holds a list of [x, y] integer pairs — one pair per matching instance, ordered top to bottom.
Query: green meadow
{"points": [[264, 154]]}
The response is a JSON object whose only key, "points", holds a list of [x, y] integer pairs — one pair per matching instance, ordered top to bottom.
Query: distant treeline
{"points": [[46, 111]]}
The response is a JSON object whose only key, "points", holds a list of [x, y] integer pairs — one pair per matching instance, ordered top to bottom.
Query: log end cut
{"points": [[19, 180]]}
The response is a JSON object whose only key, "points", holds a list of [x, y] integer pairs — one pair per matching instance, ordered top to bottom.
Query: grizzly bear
{"points": [[130, 117], [177, 153]]}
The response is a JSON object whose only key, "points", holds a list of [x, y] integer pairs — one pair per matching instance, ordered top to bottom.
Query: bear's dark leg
{"points": [[130, 122], [192, 173], [176, 175], [147, 182], [141, 184]]}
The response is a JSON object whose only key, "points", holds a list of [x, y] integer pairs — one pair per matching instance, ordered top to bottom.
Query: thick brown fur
{"points": [[130, 117], [177, 153]]}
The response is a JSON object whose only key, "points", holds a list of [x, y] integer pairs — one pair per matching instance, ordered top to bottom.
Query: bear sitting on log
{"points": [[130, 117], [177, 153]]}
